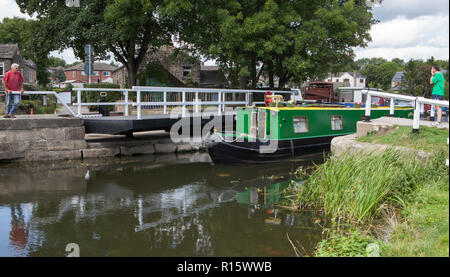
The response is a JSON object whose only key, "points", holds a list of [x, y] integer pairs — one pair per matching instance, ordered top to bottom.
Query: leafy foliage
{"points": [[125, 28], [289, 40], [32, 46]]}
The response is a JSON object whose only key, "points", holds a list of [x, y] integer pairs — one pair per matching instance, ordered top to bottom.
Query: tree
{"points": [[127, 29], [289, 40], [33, 47], [55, 61], [379, 72], [59, 75], [410, 77]]}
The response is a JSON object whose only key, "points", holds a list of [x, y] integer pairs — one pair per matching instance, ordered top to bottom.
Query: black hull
{"points": [[249, 152]]}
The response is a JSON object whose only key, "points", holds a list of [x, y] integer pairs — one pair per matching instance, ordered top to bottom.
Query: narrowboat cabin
{"points": [[267, 134]]}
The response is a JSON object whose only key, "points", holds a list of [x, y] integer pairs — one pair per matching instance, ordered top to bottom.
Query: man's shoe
{"points": [[6, 116], [12, 116]]}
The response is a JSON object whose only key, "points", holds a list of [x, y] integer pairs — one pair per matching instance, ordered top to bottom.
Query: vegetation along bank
{"points": [[388, 204]]}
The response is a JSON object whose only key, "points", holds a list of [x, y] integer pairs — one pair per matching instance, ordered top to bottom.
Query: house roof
{"points": [[7, 51], [30, 63], [97, 67], [339, 74], [397, 77]]}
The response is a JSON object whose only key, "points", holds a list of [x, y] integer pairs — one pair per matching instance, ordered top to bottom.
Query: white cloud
{"points": [[9, 8], [390, 9], [409, 38], [405, 53], [66, 55]]}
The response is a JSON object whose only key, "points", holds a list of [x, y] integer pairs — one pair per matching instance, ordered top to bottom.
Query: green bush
{"points": [[93, 97], [25, 106], [339, 245]]}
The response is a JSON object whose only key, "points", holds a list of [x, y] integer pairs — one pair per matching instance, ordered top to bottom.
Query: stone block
{"points": [[363, 128], [74, 133], [162, 148], [184, 148], [128, 150], [100, 152], [52, 155]]}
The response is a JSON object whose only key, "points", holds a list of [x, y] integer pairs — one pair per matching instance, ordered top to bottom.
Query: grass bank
{"points": [[429, 139], [391, 202]]}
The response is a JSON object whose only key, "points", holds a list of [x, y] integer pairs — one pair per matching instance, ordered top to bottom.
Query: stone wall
{"points": [[41, 138], [48, 138]]}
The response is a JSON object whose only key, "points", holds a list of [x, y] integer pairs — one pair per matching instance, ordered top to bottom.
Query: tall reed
{"points": [[357, 187]]}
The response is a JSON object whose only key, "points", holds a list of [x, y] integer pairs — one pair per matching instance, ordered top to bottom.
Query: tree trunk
{"points": [[132, 72], [253, 72], [270, 72], [243, 82]]}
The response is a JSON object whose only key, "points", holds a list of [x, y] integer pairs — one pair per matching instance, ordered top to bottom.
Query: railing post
{"points": [[219, 100], [223, 100], [126, 101], [165, 101], [196, 101], [79, 103], [138, 103], [184, 103], [368, 107], [392, 107], [422, 110], [432, 114], [416, 120]]}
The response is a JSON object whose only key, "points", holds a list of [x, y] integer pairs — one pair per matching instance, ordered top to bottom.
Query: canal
{"points": [[163, 205]]}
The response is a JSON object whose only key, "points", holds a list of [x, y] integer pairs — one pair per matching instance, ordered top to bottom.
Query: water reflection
{"points": [[150, 206]]}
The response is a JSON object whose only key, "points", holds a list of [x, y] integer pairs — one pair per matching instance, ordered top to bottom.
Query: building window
{"points": [[2, 69], [186, 71], [83, 73], [95, 73], [106, 73], [329, 80], [337, 80], [347, 80], [361, 81], [336, 123], [300, 124]]}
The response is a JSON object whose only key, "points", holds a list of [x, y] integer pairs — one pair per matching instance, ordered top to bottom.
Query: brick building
{"points": [[102, 72]]}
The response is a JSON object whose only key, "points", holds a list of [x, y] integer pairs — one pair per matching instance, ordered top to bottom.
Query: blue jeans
{"points": [[10, 109]]}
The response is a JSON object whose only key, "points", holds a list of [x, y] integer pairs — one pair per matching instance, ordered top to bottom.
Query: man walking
{"points": [[437, 79], [13, 81]]}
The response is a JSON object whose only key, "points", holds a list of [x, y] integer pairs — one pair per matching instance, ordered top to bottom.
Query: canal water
{"points": [[165, 205]]}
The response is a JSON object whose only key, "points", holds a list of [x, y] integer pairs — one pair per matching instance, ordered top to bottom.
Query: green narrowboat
{"points": [[267, 134]]}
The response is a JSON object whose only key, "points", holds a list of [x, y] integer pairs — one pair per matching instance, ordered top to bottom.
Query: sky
{"points": [[407, 29]]}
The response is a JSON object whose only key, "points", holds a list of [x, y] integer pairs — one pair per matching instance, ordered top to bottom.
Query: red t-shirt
{"points": [[13, 80]]}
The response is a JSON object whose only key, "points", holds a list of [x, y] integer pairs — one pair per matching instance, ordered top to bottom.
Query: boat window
{"points": [[336, 122], [300, 124]]}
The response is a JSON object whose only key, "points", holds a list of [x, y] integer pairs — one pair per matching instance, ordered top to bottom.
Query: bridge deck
{"points": [[130, 124]]}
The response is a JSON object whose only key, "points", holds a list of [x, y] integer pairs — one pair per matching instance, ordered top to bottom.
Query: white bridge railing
{"points": [[44, 93], [167, 97], [417, 101]]}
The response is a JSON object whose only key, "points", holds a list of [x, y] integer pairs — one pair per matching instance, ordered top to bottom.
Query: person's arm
{"points": [[436, 78], [4, 81]]}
